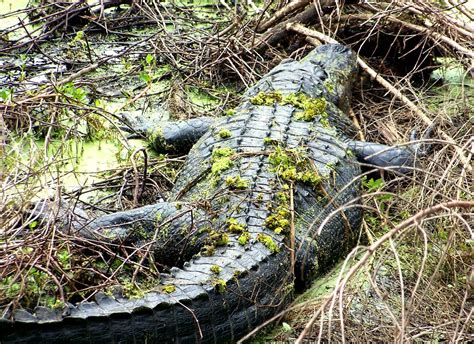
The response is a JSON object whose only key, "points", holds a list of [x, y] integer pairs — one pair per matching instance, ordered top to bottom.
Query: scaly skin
{"points": [[208, 203]]}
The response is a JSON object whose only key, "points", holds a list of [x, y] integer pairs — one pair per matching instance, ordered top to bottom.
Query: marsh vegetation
{"points": [[69, 69]]}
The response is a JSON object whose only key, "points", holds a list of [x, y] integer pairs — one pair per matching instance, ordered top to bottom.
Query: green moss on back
{"points": [[266, 98], [311, 107], [230, 112], [224, 133], [268, 141], [221, 160], [293, 165], [236, 183], [279, 221], [234, 226], [219, 238], [244, 238], [268, 242], [208, 250], [215, 269], [220, 285], [168, 289]]}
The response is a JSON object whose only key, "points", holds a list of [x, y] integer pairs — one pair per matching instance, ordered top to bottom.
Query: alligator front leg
{"points": [[176, 137], [400, 159]]}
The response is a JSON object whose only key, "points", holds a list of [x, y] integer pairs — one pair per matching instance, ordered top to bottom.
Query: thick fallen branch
{"points": [[282, 12], [310, 15], [390, 88]]}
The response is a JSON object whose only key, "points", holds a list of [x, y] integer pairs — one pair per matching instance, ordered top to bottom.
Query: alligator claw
{"points": [[134, 126], [421, 148]]}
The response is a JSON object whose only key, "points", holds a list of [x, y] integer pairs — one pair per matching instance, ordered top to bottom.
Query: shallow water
{"points": [[7, 6]]}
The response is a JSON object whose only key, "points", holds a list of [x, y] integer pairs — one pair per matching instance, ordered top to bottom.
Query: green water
{"points": [[7, 6]]}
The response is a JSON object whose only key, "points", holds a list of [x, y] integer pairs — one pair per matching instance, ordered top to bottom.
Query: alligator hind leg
{"points": [[168, 136], [175, 229]]}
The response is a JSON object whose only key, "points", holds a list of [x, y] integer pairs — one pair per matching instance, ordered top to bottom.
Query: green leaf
{"points": [[149, 59], [145, 77], [5, 94], [371, 184], [286, 327]]}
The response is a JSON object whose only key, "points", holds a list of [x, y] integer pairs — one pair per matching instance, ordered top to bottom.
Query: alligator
{"points": [[268, 198]]}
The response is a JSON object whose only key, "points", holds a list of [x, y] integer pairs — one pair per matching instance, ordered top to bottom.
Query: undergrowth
{"points": [[414, 286]]}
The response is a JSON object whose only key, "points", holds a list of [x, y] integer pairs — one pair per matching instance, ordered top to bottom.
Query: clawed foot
{"points": [[136, 127], [422, 148]]}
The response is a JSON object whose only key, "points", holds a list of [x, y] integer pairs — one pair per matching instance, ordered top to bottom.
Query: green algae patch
{"points": [[200, 98], [224, 133], [221, 160], [78, 162], [293, 165], [236, 183], [234, 226], [268, 242], [215, 269], [168, 289]]}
